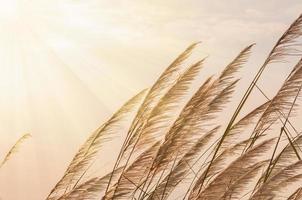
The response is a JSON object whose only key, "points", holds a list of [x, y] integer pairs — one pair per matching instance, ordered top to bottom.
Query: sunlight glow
{"points": [[8, 9]]}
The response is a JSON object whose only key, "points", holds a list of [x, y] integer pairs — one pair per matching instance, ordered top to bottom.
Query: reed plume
{"points": [[91, 147], [14, 149]]}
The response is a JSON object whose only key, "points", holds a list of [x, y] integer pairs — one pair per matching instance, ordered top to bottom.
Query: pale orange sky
{"points": [[66, 65]]}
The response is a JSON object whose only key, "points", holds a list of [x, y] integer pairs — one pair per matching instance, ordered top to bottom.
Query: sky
{"points": [[67, 65]]}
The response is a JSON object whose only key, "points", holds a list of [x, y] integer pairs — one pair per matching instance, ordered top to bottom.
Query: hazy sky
{"points": [[66, 65]]}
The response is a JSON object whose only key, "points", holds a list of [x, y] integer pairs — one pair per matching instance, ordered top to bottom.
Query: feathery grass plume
{"points": [[286, 46], [228, 73], [157, 91], [206, 102], [281, 102], [217, 104], [162, 113], [282, 115], [183, 117], [177, 126], [238, 128], [285, 130], [182, 140], [233, 145], [91, 147], [14, 149], [164, 155], [285, 158], [273, 160], [222, 161], [182, 168], [238, 168], [133, 175], [288, 176], [241, 187], [287, 187], [92, 188], [296, 195]]}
